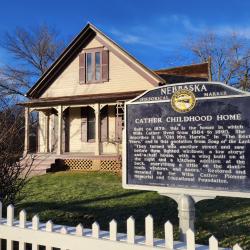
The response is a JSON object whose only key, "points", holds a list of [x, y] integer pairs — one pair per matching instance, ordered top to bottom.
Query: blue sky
{"points": [[154, 31]]}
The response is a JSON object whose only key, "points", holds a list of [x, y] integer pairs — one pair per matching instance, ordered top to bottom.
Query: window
{"points": [[97, 66], [89, 67], [93, 67], [96, 70], [87, 124]]}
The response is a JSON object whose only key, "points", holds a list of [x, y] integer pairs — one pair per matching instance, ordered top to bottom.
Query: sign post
{"points": [[190, 142], [186, 210]]}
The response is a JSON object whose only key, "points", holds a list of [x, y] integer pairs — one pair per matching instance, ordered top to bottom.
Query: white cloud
{"points": [[181, 22], [200, 27], [243, 32], [168, 33], [146, 36], [126, 38]]}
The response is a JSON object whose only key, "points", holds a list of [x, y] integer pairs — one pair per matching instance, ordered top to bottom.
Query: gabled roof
{"points": [[82, 39], [187, 73]]}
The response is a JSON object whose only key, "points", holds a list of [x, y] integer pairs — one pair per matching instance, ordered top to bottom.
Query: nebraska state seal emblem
{"points": [[183, 101]]}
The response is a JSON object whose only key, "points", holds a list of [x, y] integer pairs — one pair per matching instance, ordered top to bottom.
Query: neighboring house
{"points": [[80, 101]]}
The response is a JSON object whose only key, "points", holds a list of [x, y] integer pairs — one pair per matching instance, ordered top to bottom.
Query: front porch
{"points": [[77, 129], [92, 129], [84, 137]]}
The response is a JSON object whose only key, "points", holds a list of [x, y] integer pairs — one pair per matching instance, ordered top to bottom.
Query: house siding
{"points": [[125, 75], [122, 78], [77, 145]]}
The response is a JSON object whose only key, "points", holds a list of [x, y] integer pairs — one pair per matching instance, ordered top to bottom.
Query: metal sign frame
{"points": [[199, 194]]}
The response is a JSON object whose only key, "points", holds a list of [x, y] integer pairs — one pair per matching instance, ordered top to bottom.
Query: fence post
{"points": [[10, 215], [22, 219], [10, 220], [35, 222], [22, 224], [35, 226], [49, 228], [63, 230], [79, 230], [95, 230], [113, 230], [131, 230], [149, 230], [169, 236], [190, 240], [213, 243], [237, 247]]}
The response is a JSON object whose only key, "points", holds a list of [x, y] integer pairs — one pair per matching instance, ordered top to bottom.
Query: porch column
{"points": [[97, 129], [27, 130], [47, 136], [59, 139]]}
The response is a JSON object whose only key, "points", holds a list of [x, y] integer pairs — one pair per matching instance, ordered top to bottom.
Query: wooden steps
{"points": [[41, 163]]}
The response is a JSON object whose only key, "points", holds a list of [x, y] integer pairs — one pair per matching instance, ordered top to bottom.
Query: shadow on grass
{"points": [[88, 201], [162, 209], [89, 211], [228, 219]]}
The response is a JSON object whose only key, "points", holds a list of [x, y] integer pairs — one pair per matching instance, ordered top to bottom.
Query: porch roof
{"points": [[81, 99]]}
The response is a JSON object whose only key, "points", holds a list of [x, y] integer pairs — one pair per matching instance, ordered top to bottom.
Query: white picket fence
{"points": [[79, 238]]}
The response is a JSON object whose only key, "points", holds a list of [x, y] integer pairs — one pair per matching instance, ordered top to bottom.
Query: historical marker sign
{"points": [[191, 138]]}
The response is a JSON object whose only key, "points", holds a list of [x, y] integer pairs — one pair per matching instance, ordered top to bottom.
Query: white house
{"points": [[80, 98]]}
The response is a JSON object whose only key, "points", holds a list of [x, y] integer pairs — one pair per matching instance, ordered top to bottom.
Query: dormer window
{"points": [[93, 66], [97, 66], [89, 67], [96, 70]]}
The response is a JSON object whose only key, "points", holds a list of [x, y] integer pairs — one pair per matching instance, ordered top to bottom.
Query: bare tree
{"points": [[32, 51], [230, 57], [13, 173]]}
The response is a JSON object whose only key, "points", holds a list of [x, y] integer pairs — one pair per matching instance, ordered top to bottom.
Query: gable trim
{"points": [[74, 47]]}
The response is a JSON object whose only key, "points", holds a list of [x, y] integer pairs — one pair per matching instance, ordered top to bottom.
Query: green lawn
{"points": [[70, 198]]}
